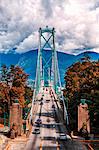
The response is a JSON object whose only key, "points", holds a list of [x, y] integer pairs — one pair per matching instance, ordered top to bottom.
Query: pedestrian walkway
{"points": [[3, 141], [18, 143]]}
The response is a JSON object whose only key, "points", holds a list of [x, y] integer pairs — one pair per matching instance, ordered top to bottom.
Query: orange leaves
{"points": [[19, 76], [82, 77], [82, 81], [13, 84], [18, 85], [17, 91], [4, 92], [22, 100]]}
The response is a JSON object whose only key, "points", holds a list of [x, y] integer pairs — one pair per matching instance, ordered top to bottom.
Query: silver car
{"points": [[64, 136]]}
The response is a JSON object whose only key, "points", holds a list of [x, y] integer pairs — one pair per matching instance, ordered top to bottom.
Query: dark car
{"points": [[47, 100], [41, 103], [53, 106], [38, 121], [38, 125], [36, 131]]}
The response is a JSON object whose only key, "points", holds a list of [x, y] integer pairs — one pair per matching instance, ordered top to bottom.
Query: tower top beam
{"points": [[47, 29]]}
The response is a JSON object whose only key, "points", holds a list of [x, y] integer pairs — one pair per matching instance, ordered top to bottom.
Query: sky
{"points": [[76, 23]]}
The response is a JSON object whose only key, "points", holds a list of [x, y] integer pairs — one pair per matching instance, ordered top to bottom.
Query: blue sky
{"points": [[76, 23]]}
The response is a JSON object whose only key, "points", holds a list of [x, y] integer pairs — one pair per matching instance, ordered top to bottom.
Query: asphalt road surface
{"points": [[50, 129]]}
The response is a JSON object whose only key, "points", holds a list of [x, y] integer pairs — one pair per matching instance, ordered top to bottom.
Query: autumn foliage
{"points": [[82, 81], [13, 85], [4, 96]]}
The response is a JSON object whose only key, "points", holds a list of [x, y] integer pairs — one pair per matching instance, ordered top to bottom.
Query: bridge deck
{"points": [[52, 126]]}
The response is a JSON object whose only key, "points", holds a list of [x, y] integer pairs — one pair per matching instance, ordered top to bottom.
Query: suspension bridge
{"points": [[47, 73], [48, 114]]}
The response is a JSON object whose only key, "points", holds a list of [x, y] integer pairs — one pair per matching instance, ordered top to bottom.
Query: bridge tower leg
{"points": [[47, 68]]}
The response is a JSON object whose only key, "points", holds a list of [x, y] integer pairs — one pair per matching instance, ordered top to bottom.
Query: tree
{"points": [[4, 73], [19, 78], [15, 79], [82, 81], [13, 88], [28, 95], [4, 96]]}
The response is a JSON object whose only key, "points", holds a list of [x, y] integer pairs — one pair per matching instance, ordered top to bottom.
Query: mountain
{"points": [[93, 55], [9, 58], [28, 60]]}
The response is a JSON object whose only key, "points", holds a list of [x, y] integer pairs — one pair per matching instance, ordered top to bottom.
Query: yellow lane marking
{"points": [[1, 140], [89, 141], [41, 144], [58, 145], [7, 147], [90, 147]]}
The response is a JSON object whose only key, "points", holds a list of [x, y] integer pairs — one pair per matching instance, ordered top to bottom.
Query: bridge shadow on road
{"points": [[34, 141], [48, 148]]}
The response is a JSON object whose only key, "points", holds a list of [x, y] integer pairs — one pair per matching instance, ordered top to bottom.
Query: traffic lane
{"points": [[48, 134], [34, 139], [33, 142], [37, 143], [64, 144], [67, 144], [72, 145]]}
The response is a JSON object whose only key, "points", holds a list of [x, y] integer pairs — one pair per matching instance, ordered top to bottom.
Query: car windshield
{"points": [[39, 119], [36, 129], [62, 134]]}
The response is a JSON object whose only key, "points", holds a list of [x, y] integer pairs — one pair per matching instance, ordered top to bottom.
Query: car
{"points": [[41, 98], [47, 100], [34, 102], [41, 103], [53, 106], [52, 115], [38, 121], [38, 125], [48, 125], [53, 126], [36, 131], [63, 136], [68, 137]]}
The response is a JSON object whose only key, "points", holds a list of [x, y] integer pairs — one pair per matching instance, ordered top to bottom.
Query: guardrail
{"points": [[89, 143]]}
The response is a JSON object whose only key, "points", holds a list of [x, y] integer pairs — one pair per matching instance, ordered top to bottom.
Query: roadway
{"points": [[50, 129]]}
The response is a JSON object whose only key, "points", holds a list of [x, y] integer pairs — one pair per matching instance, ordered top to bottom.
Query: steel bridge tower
{"points": [[47, 73]]}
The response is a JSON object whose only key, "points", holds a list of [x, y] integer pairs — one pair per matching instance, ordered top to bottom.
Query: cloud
{"points": [[47, 8], [76, 23], [28, 43]]}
